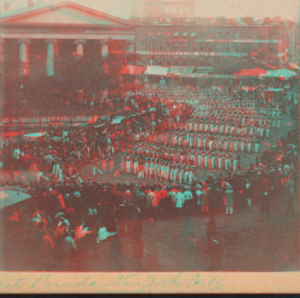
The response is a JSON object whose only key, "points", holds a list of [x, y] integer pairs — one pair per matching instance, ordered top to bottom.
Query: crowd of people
{"points": [[166, 145]]}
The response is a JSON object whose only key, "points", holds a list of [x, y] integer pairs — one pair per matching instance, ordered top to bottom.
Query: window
{"points": [[150, 34], [167, 34], [176, 34], [184, 34], [193, 34]]}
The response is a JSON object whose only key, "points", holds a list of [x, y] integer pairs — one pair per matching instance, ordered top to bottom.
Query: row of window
{"points": [[255, 34], [209, 47], [173, 60]]}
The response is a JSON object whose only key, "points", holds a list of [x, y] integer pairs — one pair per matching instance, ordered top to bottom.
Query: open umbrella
{"points": [[280, 73], [59, 214]]}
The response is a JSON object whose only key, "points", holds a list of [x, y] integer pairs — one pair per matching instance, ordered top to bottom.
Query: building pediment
{"points": [[64, 14]]}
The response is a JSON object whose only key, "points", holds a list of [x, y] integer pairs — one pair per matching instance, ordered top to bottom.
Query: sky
{"points": [[286, 9]]}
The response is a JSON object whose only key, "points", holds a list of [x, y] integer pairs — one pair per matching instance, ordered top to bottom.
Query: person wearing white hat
{"points": [[222, 129], [251, 131], [248, 142], [210, 144], [225, 144], [231, 144], [242, 144], [236, 145], [256, 146], [206, 159], [213, 160], [220, 161], [227, 161], [235, 162], [127, 165], [56, 168], [147, 168], [96, 169], [151, 169], [156, 171], [167, 172], [175, 173], [60, 175], [181, 175], [186, 175], [171, 176], [247, 194], [204, 198], [229, 198]]}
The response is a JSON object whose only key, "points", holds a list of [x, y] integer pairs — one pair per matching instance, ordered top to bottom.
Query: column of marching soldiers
{"points": [[213, 141]]}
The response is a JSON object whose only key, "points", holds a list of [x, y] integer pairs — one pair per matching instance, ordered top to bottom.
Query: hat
{"points": [[204, 185], [227, 185]]}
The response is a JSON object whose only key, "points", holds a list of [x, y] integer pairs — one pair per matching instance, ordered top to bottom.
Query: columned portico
{"points": [[51, 38]]}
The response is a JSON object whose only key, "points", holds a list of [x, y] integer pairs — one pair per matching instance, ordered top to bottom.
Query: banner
{"points": [[156, 70]]}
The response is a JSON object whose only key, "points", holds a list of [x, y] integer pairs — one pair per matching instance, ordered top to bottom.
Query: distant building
{"points": [[164, 8], [209, 43], [292, 54]]}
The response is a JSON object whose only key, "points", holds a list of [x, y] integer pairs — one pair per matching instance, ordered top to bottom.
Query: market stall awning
{"points": [[131, 69], [156, 70], [178, 70], [253, 72], [280, 73], [247, 89], [274, 90], [118, 119], [80, 124], [35, 135]]}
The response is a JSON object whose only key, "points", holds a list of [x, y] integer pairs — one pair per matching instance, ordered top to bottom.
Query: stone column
{"points": [[80, 48], [104, 48], [51, 52], [24, 57]]}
